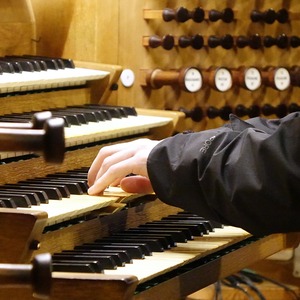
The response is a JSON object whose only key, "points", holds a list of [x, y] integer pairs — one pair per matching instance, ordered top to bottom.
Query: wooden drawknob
{"points": [[188, 79]]}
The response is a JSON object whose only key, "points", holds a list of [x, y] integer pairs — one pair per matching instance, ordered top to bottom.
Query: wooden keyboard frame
{"points": [[102, 287]]}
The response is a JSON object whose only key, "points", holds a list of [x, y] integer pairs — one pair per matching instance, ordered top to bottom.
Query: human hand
{"points": [[113, 163]]}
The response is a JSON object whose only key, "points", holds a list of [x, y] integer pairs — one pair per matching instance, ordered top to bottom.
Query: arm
{"points": [[244, 174]]}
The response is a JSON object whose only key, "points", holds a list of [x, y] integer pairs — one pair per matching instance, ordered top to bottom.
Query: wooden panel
{"points": [[17, 27], [78, 29], [81, 30], [113, 33], [135, 56], [20, 234], [81, 287]]}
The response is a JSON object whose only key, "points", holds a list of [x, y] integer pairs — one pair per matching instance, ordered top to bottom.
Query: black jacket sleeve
{"points": [[245, 174]]}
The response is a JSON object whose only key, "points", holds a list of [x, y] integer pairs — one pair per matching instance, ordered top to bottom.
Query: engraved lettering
{"points": [[207, 144]]}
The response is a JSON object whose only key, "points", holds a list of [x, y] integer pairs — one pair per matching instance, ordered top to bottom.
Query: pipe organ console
{"points": [[161, 68]]}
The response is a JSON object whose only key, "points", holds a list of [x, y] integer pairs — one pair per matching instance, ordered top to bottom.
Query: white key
{"points": [[27, 81], [114, 128], [73, 207], [183, 253]]}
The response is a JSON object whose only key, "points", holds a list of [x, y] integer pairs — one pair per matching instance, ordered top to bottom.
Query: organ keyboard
{"points": [[19, 74], [93, 123], [41, 211], [82, 267]]}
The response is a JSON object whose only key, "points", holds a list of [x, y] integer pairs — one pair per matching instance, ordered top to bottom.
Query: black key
{"points": [[59, 61], [50, 63], [68, 63], [16, 65], [25, 65], [30, 65], [38, 65], [42, 65], [6, 67], [118, 110], [125, 110], [130, 110], [114, 112], [105, 113], [79, 115], [91, 115], [99, 115], [102, 115], [19, 117], [28, 117], [71, 118], [16, 119], [12, 120], [67, 122], [81, 169], [68, 175], [82, 175], [72, 176], [76, 186], [73, 187], [61, 188], [52, 192], [41, 195], [33, 198], [19, 199], [8, 202], [198, 220], [207, 223], [214, 224], [199, 225], [194, 228], [186, 231], [177, 235], [161, 239], [166, 239], [153, 244], [144, 246], [134, 251], [123, 254], [95, 256], [106, 261], [95, 265], [75, 267]]}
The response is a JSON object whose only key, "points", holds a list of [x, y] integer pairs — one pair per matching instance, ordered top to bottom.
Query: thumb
{"points": [[136, 184]]}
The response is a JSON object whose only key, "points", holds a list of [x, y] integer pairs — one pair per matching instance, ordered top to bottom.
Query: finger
{"points": [[108, 151], [103, 154], [114, 159], [114, 173], [116, 182], [136, 184]]}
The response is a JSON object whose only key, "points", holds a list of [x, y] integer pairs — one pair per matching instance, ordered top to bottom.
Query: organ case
{"points": [[209, 265]]}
